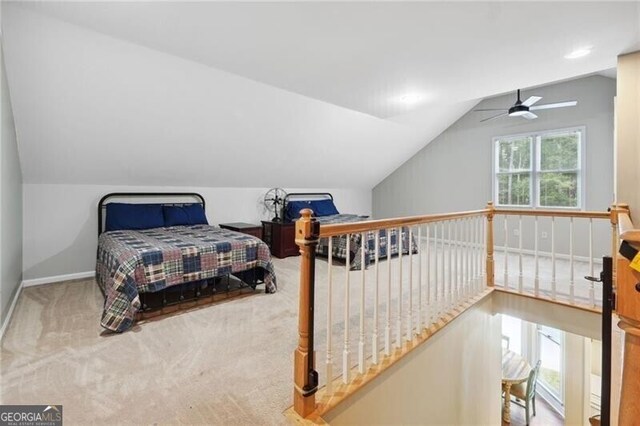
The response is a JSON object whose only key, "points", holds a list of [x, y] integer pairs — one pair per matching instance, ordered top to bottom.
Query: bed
{"points": [[325, 211], [168, 249]]}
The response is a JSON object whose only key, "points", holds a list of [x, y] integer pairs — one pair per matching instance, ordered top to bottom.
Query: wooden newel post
{"points": [[614, 212], [490, 262], [628, 310], [305, 376]]}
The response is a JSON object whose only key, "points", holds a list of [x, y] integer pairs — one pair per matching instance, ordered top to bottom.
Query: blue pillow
{"points": [[324, 207], [292, 212], [189, 214], [133, 216]]}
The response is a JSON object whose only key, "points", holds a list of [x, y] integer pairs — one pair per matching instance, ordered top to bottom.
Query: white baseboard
{"points": [[499, 250], [57, 278], [7, 319]]}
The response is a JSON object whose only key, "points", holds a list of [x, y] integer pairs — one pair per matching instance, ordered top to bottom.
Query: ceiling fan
{"points": [[523, 109]]}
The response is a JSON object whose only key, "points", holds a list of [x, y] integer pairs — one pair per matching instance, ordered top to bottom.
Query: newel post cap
{"points": [[305, 214]]}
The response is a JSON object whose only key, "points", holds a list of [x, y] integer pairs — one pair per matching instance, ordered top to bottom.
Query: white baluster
{"points": [[456, 237], [483, 238], [472, 239], [480, 245], [506, 252], [469, 253], [463, 256], [481, 256], [553, 258], [436, 266], [571, 272], [520, 278], [536, 279], [362, 280], [420, 280], [592, 293], [450, 294], [443, 299], [429, 310], [410, 313], [399, 319], [387, 328], [374, 337], [345, 352], [329, 362]]}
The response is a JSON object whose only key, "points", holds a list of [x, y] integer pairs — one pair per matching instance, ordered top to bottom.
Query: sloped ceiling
{"points": [[274, 94]]}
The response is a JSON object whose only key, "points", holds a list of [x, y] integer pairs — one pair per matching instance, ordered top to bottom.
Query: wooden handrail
{"points": [[555, 213], [333, 229], [309, 231], [626, 231]]}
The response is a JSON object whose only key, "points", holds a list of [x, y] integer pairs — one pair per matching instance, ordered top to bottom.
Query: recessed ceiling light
{"points": [[578, 53], [410, 98]]}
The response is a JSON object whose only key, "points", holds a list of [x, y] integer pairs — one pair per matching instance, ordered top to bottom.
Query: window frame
{"points": [[535, 172]]}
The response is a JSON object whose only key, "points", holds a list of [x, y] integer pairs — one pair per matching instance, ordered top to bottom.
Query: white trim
{"points": [[562, 256], [57, 278], [7, 319]]}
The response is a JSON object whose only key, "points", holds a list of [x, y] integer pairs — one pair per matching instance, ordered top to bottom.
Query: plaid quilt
{"points": [[388, 244], [133, 262]]}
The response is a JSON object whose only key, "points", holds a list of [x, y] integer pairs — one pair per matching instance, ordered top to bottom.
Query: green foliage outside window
{"points": [[556, 172]]}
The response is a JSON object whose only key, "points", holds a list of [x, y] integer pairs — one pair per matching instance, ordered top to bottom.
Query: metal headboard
{"points": [[304, 195], [102, 204]]}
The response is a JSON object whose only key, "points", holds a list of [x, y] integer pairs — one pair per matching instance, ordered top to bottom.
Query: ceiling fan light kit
{"points": [[523, 109]]}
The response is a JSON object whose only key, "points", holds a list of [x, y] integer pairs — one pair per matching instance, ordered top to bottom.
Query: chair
{"points": [[526, 391]]}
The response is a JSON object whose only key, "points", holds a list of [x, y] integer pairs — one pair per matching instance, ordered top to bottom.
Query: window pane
{"points": [[559, 151], [514, 155], [513, 189], [559, 189], [512, 333], [551, 357]]}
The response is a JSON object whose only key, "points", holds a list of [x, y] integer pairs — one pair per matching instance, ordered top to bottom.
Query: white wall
{"points": [[95, 109], [628, 132], [454, 171], [11, 208], [60, 221], [539, 311], [453, 378]]}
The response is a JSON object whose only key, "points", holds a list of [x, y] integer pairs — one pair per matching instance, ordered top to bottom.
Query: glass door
{"points": [[512, 334], [550, 348]]}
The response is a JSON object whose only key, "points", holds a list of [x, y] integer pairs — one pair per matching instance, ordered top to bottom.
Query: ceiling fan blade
{"points": [[532, 100], [556, 105], [492, 109], [495, 116], [529, 116]]}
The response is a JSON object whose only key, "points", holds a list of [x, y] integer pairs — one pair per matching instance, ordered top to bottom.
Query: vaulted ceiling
{"points": [[297, 94]]}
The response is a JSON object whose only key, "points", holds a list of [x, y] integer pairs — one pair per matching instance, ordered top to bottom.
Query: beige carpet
{"points": [[230, 363]]}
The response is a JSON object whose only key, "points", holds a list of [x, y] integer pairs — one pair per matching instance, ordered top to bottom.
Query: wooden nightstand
{"points": [[245, 228], [280, 237]]}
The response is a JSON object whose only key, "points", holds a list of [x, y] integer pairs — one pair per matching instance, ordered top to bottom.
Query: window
{"points": [[539, 169], [512, 334], [550, 353]]}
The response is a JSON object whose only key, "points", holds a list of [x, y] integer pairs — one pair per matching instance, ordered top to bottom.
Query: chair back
{"points": [[532, 380]]}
